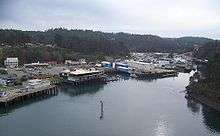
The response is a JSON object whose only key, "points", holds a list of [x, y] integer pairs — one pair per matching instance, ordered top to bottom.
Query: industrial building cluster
{"points": [[41, 74]]}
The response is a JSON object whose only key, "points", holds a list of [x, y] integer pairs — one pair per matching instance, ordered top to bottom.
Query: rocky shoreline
{"points": [[203, 90], [204, 100]]}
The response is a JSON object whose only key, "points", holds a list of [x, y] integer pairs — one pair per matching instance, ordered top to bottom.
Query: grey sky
{"points": [[167, 18]]}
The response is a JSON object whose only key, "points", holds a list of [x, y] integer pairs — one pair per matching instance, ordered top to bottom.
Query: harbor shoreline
{"points": [[15, 97], [204, 100]]}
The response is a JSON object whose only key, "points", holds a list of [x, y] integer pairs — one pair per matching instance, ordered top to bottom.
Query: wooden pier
{"points": [[156, 73], [85, 81], [15, 96]]}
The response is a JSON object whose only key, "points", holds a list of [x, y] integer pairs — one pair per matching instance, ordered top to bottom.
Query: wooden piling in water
{"points": [[21, 97], [102, 110]]}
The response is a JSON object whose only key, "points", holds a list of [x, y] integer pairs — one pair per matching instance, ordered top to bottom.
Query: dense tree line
{"points": [[13, 37], [78, 38], [60, 44], [208, 51], [211, 52], [44, 54], [214, 68], [210, 85]]}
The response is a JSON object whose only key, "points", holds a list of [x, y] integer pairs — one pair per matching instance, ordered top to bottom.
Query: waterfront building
{"points": [[82, 61], [11, 62], [52, 63], [71, 63], [106, 64], [119, 64], [36, 65], [141, 65], [122, 68], [125, 70], [82, 75]]}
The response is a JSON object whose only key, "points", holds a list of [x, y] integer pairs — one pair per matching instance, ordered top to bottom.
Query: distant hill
{"points": [[89, 39], [189, 41], [87, 42], [142, 43], [208, 51]]}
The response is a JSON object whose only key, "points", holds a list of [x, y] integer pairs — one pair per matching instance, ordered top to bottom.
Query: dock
{"points": [[155, 73], [83, 76], [15, 96]]}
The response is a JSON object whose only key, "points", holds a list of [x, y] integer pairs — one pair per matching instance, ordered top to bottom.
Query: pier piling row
{"points": [[14, 97]]}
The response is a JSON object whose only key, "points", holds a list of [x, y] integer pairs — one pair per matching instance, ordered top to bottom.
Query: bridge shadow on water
{"points": [[211, 117]]}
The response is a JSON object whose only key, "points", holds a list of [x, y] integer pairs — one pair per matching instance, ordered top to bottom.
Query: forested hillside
{"points": [[60, 44], [208, 51], [211, 51], [208, 85]]}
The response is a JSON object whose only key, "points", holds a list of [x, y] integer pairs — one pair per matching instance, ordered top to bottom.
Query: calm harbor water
{"points": [[131, 108]]}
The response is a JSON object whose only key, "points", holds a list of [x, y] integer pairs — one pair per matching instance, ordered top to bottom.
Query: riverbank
{"points": [[204, 90], [203, 94], [204, 100]]}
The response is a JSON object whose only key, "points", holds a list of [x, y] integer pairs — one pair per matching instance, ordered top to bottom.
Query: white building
{"points": [[82, 61], [11, 62], [71, 63], [36, 65], [141, 65], [81, 75]]}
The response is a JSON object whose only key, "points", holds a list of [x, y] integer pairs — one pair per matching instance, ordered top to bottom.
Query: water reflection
{"points": [[123, 77], [147, 79], [153, 79], [88, 88], [67, 89], [82, 89], [194, 106], [12, 108], [130, 108], [102, 110], [211, 117], [162, 128]]}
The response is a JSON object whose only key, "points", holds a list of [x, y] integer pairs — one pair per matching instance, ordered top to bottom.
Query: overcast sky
{"points": [[167, 18]]}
